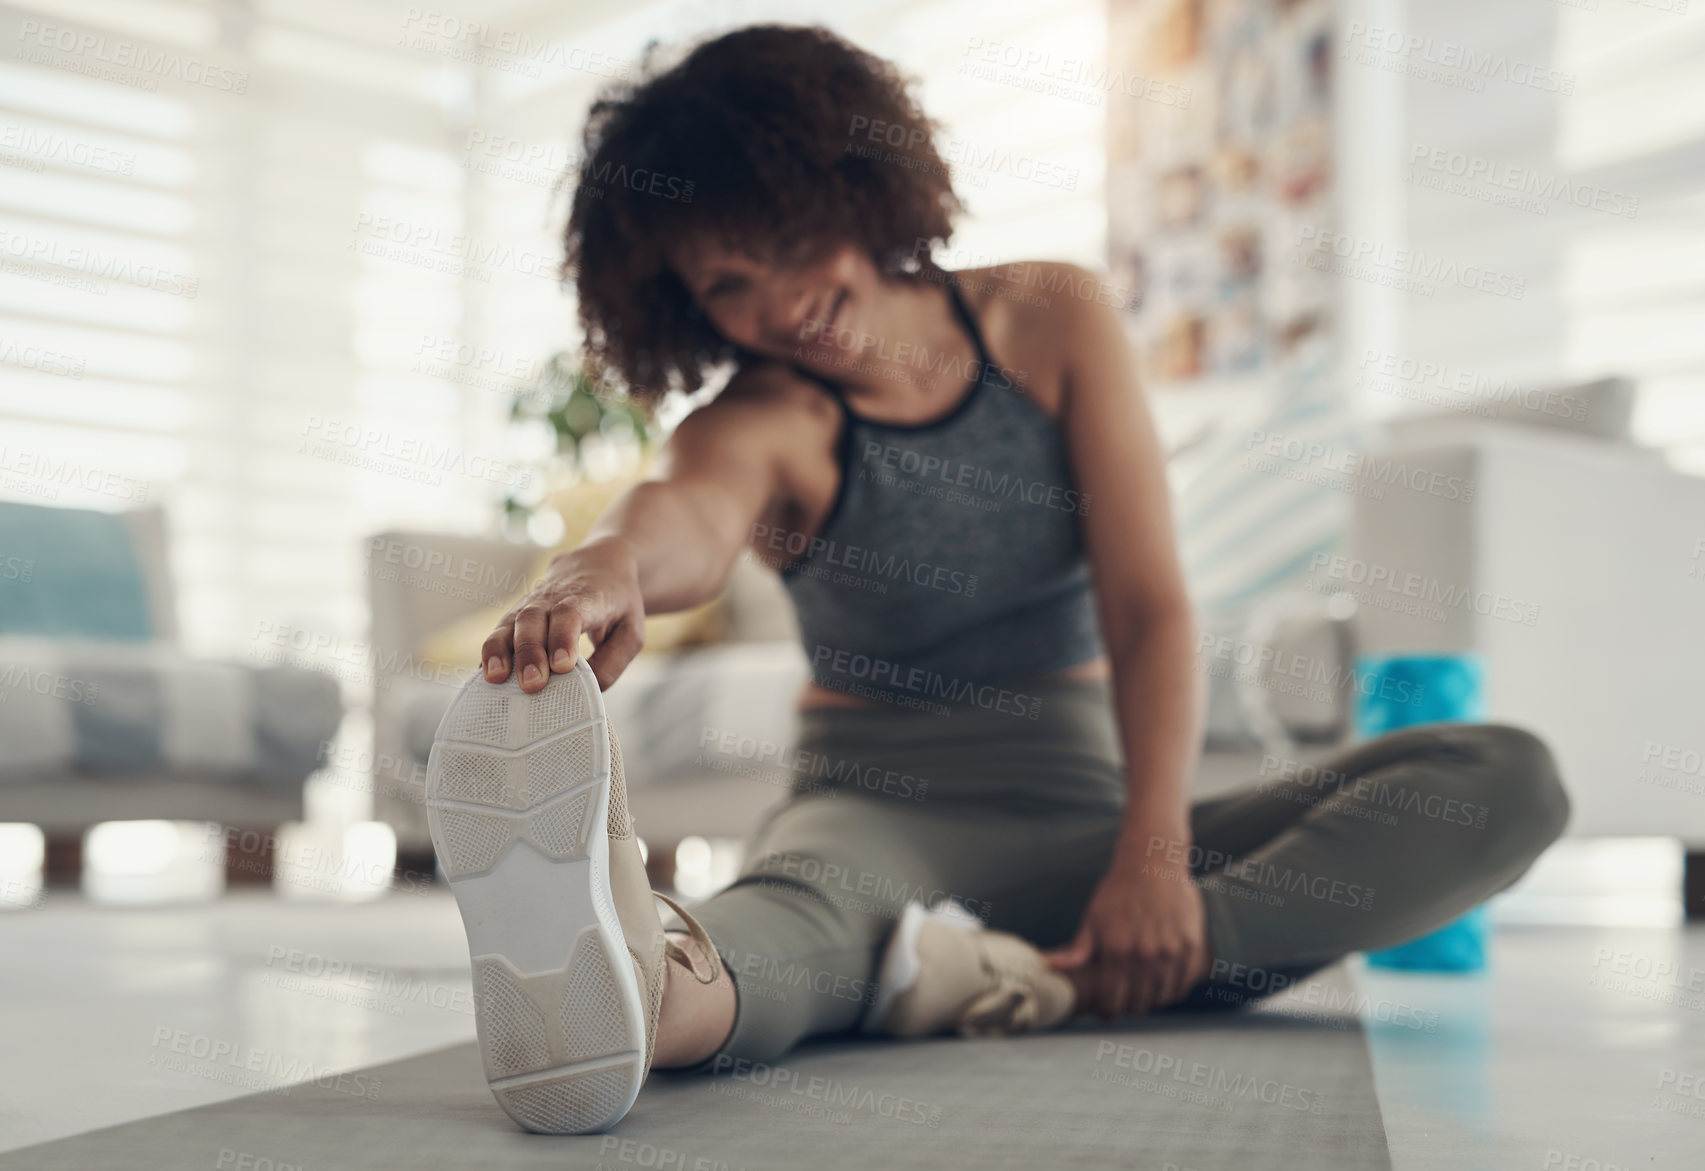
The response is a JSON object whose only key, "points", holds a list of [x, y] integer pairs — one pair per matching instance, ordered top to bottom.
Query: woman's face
{"points": [[816, 313]]}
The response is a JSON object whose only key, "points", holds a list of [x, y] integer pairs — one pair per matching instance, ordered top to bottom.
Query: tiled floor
{"points": [[111, 1015], [1582, 1049]]}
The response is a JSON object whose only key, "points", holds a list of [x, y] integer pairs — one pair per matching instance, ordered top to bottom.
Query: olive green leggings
{"points": [[1015, 818]]}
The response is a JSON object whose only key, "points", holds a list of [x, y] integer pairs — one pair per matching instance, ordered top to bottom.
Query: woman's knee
{"points": [[1527, 805]]}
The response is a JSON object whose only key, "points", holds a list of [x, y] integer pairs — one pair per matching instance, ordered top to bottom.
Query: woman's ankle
{"points": [[695, 1019]]}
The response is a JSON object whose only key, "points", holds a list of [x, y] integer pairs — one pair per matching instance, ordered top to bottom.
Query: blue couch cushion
{"points": [[70, 573]]}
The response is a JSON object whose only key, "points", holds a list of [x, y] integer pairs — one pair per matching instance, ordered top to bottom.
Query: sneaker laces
{"points": [[689, 959]]}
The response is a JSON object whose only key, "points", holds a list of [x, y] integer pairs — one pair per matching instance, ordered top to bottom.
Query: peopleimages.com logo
{"points": [[35, 37], [1449, 62], [1409, 269], [1346, 469], [1408, 584], [862, 674]]}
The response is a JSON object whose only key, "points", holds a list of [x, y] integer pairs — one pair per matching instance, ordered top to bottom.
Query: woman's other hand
{"points": [[1143, 941]]}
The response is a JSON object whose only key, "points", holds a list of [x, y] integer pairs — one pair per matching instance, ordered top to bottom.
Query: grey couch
{"points": [[104, 722]]}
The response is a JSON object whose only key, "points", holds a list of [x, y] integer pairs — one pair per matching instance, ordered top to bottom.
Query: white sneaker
{"points": [[528, 811], [944, 972]]}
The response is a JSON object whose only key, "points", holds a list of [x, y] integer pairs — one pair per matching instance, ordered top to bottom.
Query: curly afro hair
{"points": [[780, 142]]}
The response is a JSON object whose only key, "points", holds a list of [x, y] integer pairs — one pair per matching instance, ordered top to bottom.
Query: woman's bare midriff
{"points": [[814, 696]]}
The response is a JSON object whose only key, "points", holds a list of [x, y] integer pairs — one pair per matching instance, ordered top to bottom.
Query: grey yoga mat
{"points": [[1244, 1091]]}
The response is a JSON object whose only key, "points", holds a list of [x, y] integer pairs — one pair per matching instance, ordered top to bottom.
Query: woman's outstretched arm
{"points": [[666, 544]]}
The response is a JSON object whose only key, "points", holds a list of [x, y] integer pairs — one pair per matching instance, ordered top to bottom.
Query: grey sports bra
{"points": [[951, 564]]}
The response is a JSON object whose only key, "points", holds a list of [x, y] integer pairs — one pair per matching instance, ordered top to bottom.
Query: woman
{"points": [[957, 475]]}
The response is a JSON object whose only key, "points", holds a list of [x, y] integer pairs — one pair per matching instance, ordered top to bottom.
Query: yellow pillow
{"points": [[581, 505]]}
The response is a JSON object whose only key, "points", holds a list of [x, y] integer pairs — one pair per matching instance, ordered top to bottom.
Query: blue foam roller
{"points": [[1399, 691]]}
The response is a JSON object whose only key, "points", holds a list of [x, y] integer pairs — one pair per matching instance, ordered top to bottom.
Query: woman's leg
{"points": [[927, 809], [1374, 847], [1371, 848], [803, 928]]}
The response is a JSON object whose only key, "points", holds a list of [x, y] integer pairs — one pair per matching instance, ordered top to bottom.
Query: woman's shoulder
{"points": [[1040, 292], [1034, 313], [767, 385], [762, 398]]}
